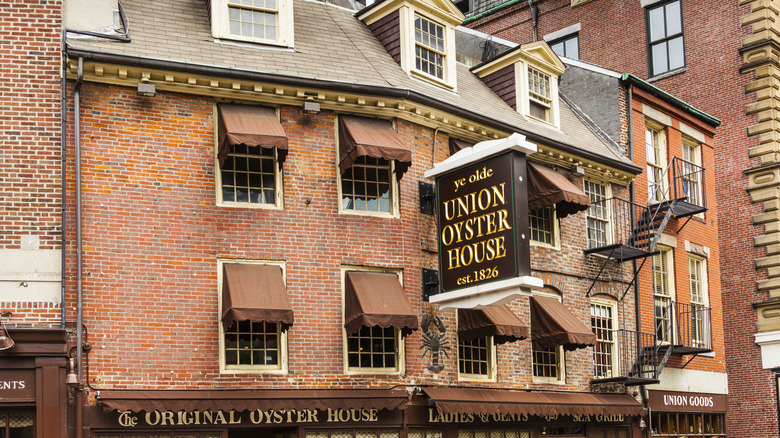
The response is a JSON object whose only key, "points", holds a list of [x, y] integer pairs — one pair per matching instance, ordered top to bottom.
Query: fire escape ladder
{"points": [[662, 362]]}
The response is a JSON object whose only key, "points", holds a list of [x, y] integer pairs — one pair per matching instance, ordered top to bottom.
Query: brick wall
{"points": [[30, 165], [153, 235]]}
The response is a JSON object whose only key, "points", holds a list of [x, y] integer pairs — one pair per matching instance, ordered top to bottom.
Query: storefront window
{"points": [[17, 424], [688, 425], [567, 431], [360, 433], [493, 433], [160, 435]]}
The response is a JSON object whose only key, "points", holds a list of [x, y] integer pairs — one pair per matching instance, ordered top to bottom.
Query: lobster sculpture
{"points": [[434, 342]]}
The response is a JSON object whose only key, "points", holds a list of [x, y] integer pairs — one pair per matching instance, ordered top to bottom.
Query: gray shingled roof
{"points": [[330, 45]]}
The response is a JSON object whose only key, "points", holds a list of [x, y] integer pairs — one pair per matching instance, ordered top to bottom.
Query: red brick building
{"points": [[718, 45], [250, 248]]}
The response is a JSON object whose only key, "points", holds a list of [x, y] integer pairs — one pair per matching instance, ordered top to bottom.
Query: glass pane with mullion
{"points": [[673, 18], [657, 24], [676, 53], [660, 61]]}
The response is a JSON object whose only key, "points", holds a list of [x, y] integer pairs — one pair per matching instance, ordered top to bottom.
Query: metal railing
{"points": [[687, 183], [615, 221], [684, 325], [693, 325], [635, 356]]}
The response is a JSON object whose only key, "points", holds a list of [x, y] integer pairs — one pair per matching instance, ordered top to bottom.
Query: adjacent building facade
{"points": [[673, 45], [252, 244]]}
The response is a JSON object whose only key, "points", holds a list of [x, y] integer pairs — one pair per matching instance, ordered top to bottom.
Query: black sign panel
{"points": [[478, 211]]}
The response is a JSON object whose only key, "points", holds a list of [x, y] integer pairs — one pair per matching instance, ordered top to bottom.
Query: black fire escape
{"points": [[633, 233]]}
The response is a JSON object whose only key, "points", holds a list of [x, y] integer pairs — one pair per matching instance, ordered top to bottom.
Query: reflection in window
{"points": [[253, 18], [665, 38], [568, 46], [429, 47], [539, 94], [249, 175], [366, 185], [597, 215], [542, 225], [253, 343], [372, 347], [474, 356], [688, 425]]}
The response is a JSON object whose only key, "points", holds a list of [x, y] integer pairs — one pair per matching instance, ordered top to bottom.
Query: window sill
{"points": [[251, 42], [667, 74], [432, 79], [249, 205], [375, 214], [545, 245], [253, 371], [475, 378], [548, 381]]}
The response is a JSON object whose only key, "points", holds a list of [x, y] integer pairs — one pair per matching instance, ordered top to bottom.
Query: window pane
{"points": [[673, 19], [656, 24], [573, 48], [676, 53], [660, 63], [249, 174]]}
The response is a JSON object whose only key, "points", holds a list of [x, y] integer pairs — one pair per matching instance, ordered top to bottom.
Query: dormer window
{"points": [[255, 19], [260, 21], [419, 35], [429, 47], [526, 78], [539, 97]]}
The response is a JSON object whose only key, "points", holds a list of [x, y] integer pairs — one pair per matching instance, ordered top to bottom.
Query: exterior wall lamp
{"points": [[146, 89], [310, 106], [5, 339]]}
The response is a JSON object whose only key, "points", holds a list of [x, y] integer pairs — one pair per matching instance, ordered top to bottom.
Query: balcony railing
{"points": [[686, 190], [620, 229], [686, 327], [634, 359]]}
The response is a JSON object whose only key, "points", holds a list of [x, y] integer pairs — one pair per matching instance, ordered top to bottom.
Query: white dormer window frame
{"points": [[258, 21], [416, 44], [538, 91]]}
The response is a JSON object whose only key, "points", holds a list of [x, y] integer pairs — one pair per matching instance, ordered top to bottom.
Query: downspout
{"points": [[534, 10], [125, 38], [63, 151], [632, 194], [79, 243]]}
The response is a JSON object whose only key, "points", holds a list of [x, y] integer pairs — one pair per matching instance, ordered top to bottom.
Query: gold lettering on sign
{"points": [[258, 416]]}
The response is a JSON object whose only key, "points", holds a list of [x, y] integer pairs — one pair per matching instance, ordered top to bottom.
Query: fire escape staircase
{"points": [[633, 233]]}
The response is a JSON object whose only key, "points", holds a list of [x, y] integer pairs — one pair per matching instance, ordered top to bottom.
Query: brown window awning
{"points": [[252, 126], [361, 136], [458, 145], [547, 187], [254, 292], [376, 299], [497, 321], [552, 325], [241, 400], [477, 401]]}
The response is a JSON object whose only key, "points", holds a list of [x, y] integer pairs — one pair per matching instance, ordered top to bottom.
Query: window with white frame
{"points": [[262, 21], [568, 46], [429, 47], [666, 51], [539, 95], [655, 144], [692, 171], [250, 176], [368, 186], [597, 214], [543, 226], [697, 276], [663, 294], [602, 321], [252, 345], [372, 349], [476, 358], [548, 364]]}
